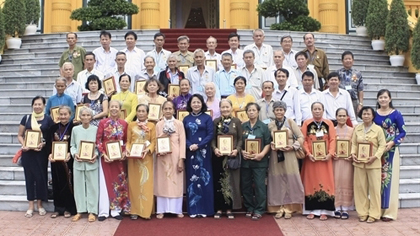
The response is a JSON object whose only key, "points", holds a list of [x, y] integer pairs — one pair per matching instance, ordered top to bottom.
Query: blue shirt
{"points": [[224, 81], [58, 100]]}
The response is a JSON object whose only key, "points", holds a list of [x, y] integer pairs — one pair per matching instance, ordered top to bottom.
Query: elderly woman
{"points": [[148, 72], [171, 75], [152, 88], [184, 90], [60, 98], [126, 98], [240, 99], [97, 101], [212, 102], [35, 161], [254, 165], [317, 171], [85, 173], [367, 173], [285, 189], [227, 194]]}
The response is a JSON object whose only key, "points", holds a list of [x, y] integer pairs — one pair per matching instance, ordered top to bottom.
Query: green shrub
{"points": [[33, 11], [12, 12], [359, 12], [376, 18], [2, 33], [397, 34], [415, 48]]}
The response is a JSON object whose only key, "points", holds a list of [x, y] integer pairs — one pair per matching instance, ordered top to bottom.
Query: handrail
{"points": [[410, 5]]}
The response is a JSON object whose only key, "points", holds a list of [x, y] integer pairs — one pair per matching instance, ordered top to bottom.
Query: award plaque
{"points": [[212, 64], [233, 67], [184, 69], [109, 85], [139, 87], [173, 90], [154, 111], [77, 112], [209, 112], [55, 114], [123, 114], [182, 114], [242, 116], [32, 139], [280, 139], [225, 144], [163, 145], [253, 146], [343, 148], [319, 149], [59, 150], [86, 150], [113, 150], [137, 150], [364, 151]]}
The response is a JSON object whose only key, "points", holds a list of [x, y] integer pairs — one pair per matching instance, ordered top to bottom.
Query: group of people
{"points": [[250, 98]]}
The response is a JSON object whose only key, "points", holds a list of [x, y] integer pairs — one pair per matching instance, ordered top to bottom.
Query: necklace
{"points": [[240, 104], [340, 133]]}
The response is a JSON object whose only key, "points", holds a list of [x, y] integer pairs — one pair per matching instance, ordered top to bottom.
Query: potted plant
{"points": [[33, 11], [358, 14], [376, 24], [13, 25], [2, 34], [415, 50]]}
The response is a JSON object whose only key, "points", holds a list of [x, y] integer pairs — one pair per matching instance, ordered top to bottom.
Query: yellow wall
{"points": [[331, 14]]}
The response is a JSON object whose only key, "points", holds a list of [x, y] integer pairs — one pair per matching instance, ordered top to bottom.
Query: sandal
{"points": [[42, 211], [29, 213], [67, 214], [248, 214], [337, 214], [54, 215], [180, 215], [217, 215], [230, 215], [278, 215], [159, 216], [256, 216], [287, 216], [310, 216], [345, 216], [77, 217], [91, 217], [134, 217], [323, 217], [362, 218], [386, 219], [371, 220]]}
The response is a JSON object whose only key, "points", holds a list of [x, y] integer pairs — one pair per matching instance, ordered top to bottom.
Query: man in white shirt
{"points": [[286, 43], [263, 52], [158, 53], [211, 54], [237, 54], [105, 55], [135, 56], [302, 59], [121, 60], [89, 62], [279, 63], [200, 75], [254, 75], [224, 78], [73, 89], [289, 95], [308, 95], [335, 97], [266, 103]]}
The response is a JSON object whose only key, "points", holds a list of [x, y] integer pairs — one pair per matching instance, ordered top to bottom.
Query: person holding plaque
{"points": [[171, 75], [152, 88], [126, 98], [240, 99], [95, 100], [182, 100], [212, 102], [199, 133], [35, 161], [343, 167], [140, 170], [61, 171], [317, 171], [85, 173], [367, 173], [169, 183], [113, 186], [285, 189]]}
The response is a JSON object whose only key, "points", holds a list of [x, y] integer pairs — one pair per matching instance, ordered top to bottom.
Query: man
{"points": [[286, 43], [262, 51], [158, 53], [73, 54], [211, 54], [237, 54], [105, 55], [135, 56], [185, 57], [316, 57], [121, 60], [301, 60], [279, 63], [84, 74], [200, 74], [254, 75], [224, 78], [351, 80], [73, 89], [289, 95], [308, 95], [335, 97], [60, 98], [266, 103]]}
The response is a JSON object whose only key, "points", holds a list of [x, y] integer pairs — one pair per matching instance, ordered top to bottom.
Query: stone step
{"points": [[32, 72], [6, 79], [379, 79], [27, 86], [401, 88], [397, 94], [25, 99], [397, 102], [16, 108], [412, 109], [411, 136], [8, 138], [410, 148], [9, 149], [409, 159], [6, 160], [410, 172], [12, 173], [409, 185], [12, 187], [409, 200], [20, 203]]}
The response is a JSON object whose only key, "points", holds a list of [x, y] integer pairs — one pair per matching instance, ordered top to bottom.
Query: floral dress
{"points": [[96, 106]]}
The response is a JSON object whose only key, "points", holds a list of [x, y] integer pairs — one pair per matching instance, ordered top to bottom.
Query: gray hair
{"points": [[258, 30], [183, 37], [211, 37], [198, 50], [249, 51], [148, 56], [172, 56], [67, 63], [62, 79], [210, 84], [225, 100], [112, 101], [279, 104], [65, 108], [87, 109]]}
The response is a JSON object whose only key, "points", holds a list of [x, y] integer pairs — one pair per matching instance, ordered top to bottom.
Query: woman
{"points": [[148, 72], [170, 76], [152, 88], [184, 90], [60, 98], [127, 98], [240, 99], [97, 101], [212, 102], [392, 122], [199, 133], [35, 161], [254, 165], [343, 169], [140, 170], [61, 171], [85, 173], [367, 174], [317, 175], [113, 181], [169, 182], [285, 189], [227, 193]]}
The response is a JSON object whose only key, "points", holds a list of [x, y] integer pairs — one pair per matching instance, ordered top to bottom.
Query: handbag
{"points": [[300, 152], [17, 159], [235, 163]]}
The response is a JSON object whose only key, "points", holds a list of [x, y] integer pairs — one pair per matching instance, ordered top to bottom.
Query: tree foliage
{"points": [[359, 10], [33, 11], [12, 13], [104, 14], [376, 18], [2, 33], [397, 34], [415, 48]]}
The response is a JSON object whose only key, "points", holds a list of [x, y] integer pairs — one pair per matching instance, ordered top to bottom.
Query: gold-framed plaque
{"points": [[212, 64], [233, 67], [184, 69], [109, 85], [139, 87], [173, 90], [155, 111], [77, 112], [209, 112], [123, 114], [181, 114], [55, 115], [242, 116], [32, 139], [280, 139], [225, 144], [163, 145], [253, 146], [343, 148], [319, 149], [59, 150], [86, 150], [113, 150], [136, 150], [364, 151]]}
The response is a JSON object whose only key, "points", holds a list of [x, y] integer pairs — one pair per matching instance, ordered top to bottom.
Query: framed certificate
{"points": [[212, 64], [233, 67], [184, 69], [109, 85], [139, 87], [173, 90], [154, 111], [77, 112], [209, 112], [55, 114], [123, 114], [181, 114], [242, 116], [280, 138], [32, 139], [225, 144], [163, 145], [253, 146], [343, 148], [319, 149], [59, 150], [86, 150], [113, 150], [137, 150], [364, 151]]}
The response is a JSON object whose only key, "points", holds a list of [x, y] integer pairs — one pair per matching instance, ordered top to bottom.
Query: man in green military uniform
{"points": [[74, 54]]}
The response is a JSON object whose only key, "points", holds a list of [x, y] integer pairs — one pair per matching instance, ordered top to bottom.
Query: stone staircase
{"points": [[31, 71]]}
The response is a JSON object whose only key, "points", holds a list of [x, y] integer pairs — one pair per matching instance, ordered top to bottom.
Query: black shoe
{"points": [[118, 217], [101, 218]]}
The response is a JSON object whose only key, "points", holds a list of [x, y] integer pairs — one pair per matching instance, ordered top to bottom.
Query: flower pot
{"points": [[31, 29], [361, 31], [13, 43], [378, 45], [396, 60], [418, 78]]}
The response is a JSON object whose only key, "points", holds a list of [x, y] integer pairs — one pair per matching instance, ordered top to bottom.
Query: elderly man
{"points": [[286, 43], [262, 51], [158, 53], [74, 54], [211, 54], [237, 54], [105, 55], [135, 56], [185, 57], [316, 57], [302, 59], [121, 61], [279, 63], [90, 70], [200, 75], [254, 75], [224, 77], [73, 88], [308, 95], [266, 103]]}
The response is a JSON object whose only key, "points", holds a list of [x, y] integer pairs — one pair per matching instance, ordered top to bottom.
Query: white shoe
{"points": [[193, 216]]}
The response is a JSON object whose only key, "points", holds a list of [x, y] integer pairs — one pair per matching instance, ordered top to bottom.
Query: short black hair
{"points": [[105, 33], [130, 33], [234, 34], [75, 35], [158, 35], [304, 36], [285, 37], [120, 53], [345, 53], [90, 54], [301, 54], [281, 70], [308, 74], [333, 74], [129, 77], [93, 78], [239, 78], [160, 86], [381, 92], [38, 97], [203, 104], [252, 104], [313, 104], [141, 105], [341, 109], [364, 109]]}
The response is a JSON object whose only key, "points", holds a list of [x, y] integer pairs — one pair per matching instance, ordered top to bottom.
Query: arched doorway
{"points": [[194, 14]]}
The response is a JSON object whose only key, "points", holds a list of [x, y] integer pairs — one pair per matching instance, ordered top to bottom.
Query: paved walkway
{"points": [[408, 223]]}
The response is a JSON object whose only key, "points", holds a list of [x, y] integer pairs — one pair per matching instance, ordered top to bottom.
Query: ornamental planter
{"points": [[30, 29], [361, 31], [13, 43], [378, 45], [396, 60], [418, 78]]}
